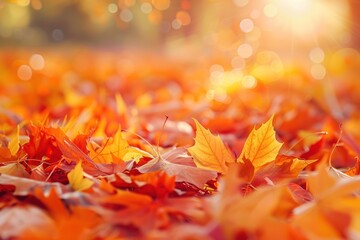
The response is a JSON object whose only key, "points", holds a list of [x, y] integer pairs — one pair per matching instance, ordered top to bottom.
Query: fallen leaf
{"points": [[14, 143], [261, 146], [116, 150], [209, 151], [178, 163], [282, 168], [14, 169], [77, 180], [24, 185], [334, 207], [18, 220]]}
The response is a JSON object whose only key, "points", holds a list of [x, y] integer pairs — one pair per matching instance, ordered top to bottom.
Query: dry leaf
{"points": [[14, 144], [261, 146], [115, 150], [209, 151], [178, 163], [14, 169], [77, 180], [34, 221]]}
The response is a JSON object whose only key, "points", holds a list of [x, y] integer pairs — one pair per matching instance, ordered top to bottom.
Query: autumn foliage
{"points": [[109, 152]]}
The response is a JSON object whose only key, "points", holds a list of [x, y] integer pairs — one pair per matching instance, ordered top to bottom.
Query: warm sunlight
{"points": [[308, 20], [180, 119]]}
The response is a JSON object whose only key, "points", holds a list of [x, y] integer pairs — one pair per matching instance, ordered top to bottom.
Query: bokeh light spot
{"points": [[146, 7], [112, 8], [270, 10], [126, 15], [183, 17], [176, 24], [246, 25], [245, 50], [317, 55], [37, 62], [318, 71], [24, 72], [249, 82]]}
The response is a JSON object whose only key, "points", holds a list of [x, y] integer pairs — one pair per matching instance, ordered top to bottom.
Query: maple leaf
{"points": [[14, 144], [42, 144], [261, 146], [116, 150], [209, 151], [71, 152], [177, 163], [283, 167], [14, 169], [77, 180], [157, 185], [334, 208], [250, 213], [254, 213], [146, 214]]}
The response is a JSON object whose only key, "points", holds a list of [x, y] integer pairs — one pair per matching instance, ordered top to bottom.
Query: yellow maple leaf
{"points": [[14, 144], [261, 146], [117, 149], [209, 152], [77, 180]]}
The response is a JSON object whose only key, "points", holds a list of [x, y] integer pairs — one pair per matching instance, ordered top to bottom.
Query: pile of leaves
{"points": [[108, 156]]}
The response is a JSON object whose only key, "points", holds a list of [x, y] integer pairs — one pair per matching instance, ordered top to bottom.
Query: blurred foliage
{"points": [[160, 22]]}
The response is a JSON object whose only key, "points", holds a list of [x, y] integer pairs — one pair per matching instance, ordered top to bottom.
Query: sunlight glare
{"points": [[306, 18]]}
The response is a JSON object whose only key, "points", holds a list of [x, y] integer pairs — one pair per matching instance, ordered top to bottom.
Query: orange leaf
{"points": [[261, 146], [209, 151], [284, 167], [246, 171], [53, 203]]}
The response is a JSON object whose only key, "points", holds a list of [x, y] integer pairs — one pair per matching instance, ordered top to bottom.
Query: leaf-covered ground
{"points": [[124, 145]]}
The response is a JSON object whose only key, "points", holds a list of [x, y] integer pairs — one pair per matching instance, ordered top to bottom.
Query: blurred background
{"points": [[264, 24], [236, 32], [220, 43], [228, 63]]}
